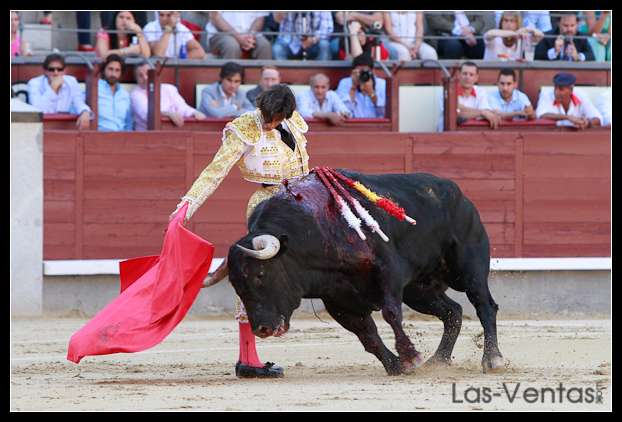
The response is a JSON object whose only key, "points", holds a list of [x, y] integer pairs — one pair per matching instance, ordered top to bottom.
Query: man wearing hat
{"points": [[565, 106]]}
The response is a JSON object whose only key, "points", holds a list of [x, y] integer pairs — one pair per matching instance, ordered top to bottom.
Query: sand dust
{"points": [[326, 369]]}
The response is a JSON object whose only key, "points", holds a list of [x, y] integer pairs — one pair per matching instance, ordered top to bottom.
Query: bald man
{"points": [[320, 102]]}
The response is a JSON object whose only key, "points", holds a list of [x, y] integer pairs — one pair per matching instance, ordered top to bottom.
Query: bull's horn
{"points": [[265, 246]]}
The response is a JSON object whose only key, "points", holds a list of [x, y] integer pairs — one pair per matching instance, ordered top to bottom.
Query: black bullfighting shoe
{"points": [[269, 370]]}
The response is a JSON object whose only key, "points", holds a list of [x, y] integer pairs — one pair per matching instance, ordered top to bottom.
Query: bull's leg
{"points": [[474, 268], [448, 311], [365, 329], [410, 358]]}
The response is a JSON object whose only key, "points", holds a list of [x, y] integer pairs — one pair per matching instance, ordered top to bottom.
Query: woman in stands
{"points": [[128, 41], [506, 43], [19, 47]]}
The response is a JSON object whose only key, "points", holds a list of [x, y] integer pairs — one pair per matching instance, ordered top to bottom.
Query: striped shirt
{"points": [[316, 24]]}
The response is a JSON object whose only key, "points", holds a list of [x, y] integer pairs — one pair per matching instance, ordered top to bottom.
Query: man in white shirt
{"points": [[233, 35], [167, 37], [473, 101], [321, 102], [603, 104], [565, 106]]}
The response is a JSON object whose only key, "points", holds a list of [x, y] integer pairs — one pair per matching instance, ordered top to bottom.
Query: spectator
{"points": [[47, 18], [107, 18], [83, 19], [534, 19], [367, 20], [196, 21], [598, 24], [270, 25], [462, 28], [405, 30], [233, 35], [303, 35], [166, 37], [130, 39], [360, 43], [506, 43], [564, 46], [19, 47], [269, 76], [55, 92], [363, 93], [224, 98], [113, 101], [473, 101], [507, 101], [321, 102], [172, 105], [603, 105], [565, 106]]}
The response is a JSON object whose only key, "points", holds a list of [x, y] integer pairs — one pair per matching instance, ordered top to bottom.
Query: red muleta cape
{"points": [[156, 293]]}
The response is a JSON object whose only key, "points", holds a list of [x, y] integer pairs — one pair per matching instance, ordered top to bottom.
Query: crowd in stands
{"points": [[339, 35], [360, 37]]}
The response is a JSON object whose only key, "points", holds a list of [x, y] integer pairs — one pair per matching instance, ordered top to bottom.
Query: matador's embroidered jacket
{"points": [[261, 156]]}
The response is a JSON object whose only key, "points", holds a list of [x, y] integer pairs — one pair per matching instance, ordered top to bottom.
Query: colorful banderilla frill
{"points": [[329, 179], [386, 204]]}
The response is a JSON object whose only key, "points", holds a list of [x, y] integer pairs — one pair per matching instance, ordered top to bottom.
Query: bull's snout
{"points": [[263, 331]]}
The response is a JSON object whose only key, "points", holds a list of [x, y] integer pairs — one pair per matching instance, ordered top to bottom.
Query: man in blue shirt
{"points": [[55, 92], [363, 93], [507, 101], [113, 102], [320, 102]]}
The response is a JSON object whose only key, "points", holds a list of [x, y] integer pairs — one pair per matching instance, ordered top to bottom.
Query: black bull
{"points": [[312, 253]]}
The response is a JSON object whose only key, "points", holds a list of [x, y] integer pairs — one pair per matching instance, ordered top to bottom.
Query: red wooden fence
{"points": [[540, 194]]}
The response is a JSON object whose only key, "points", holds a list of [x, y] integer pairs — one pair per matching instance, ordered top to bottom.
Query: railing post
{"points": [[92, 86], [153, 97], [450, 104]]}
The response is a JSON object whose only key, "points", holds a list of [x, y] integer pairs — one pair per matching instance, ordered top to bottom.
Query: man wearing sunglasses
{"points": [[55, 92]]}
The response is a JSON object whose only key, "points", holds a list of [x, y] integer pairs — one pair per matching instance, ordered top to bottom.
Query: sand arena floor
{"points": [[326, 369]]}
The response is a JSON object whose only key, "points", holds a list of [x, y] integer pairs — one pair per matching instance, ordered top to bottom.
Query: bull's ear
{"points": [[283, 239]]}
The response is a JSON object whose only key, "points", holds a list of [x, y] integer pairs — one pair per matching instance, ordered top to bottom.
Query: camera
{"points": [[375, 31], [365, 75]]}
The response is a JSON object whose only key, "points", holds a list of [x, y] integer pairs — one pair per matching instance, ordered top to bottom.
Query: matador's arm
{"points": [[230, 152]]}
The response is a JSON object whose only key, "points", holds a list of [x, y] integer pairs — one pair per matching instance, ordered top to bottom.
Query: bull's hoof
{"points": [[437, 362], [493, 364], [408, 366], [269, 370]]}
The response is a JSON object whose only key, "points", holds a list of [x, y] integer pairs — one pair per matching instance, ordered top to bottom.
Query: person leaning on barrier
{"points": [[233, 35], [167, 37], [130, 39], [562, 44], [270, 76], [55, 92], [224, 98], [472, 100], [507, 101], [320, 102], [172, 104], [603, 105], [567, 107], [114, 109]]}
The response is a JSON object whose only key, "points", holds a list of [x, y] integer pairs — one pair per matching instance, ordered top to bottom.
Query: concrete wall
{"points": [[26, 210], [516, 292]]}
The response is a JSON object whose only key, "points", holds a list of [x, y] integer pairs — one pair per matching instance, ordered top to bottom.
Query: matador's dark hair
{"points": [[276, 102]]}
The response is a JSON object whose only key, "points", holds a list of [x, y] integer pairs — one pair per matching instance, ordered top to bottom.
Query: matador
{"points": [[269, 145]]}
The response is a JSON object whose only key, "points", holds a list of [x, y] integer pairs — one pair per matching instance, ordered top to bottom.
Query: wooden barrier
{"points": [[540, 194]]}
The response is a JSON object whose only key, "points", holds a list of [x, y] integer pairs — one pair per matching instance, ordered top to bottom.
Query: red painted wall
{"points": [[540, 194]]}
